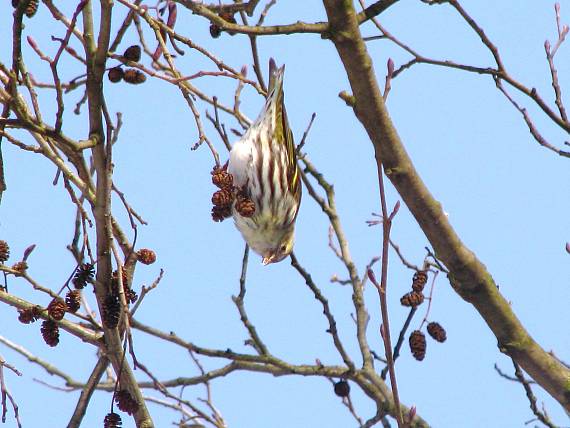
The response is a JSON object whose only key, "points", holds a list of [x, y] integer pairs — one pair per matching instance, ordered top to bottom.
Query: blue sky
{"points": [[506, 196]]}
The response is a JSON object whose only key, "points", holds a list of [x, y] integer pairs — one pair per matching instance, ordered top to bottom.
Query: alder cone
{"points": [[31, 8], [229, 17], [215, 31], [133, 53], [115, 74], [134, 76], [222, 178], [222, 198], [245, 206], [221, 213], [4, 251], [145, 256], [20, 267], [84, 274], [115, 279], [419, 281], [131, 295], [412, 299], [73, 300], [56, 309], [111, 311], [27, 316], [436, 331], [50, 332], [418, 345], [342, 388], [125, 402], [112, 420]]}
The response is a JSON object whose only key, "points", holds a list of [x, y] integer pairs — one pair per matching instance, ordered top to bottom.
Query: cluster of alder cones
{"points": [[129, 75], [228, 195], [83, 275], [414, 298], [57, 308], [111, 313]]}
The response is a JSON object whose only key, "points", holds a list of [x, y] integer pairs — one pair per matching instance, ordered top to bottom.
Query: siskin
{"points": [[264, 166]]}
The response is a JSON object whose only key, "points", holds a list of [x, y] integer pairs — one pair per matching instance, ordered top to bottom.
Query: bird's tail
{"points": [[275, 89], [283, 134]]}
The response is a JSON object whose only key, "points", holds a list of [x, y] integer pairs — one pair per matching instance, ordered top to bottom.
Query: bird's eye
{"points": [[283, 248]]}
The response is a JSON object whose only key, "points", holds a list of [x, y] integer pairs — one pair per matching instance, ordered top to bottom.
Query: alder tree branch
{"points": [[467, 274]]}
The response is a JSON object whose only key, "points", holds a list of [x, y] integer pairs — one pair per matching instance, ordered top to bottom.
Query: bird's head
{"points": [[281, 250]]}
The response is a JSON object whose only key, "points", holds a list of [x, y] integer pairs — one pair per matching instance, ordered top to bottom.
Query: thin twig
{"points": [[306, 133], [382, 290], [429, 299], [332, 330], [401, 338], [256, 341], [542, 417]]}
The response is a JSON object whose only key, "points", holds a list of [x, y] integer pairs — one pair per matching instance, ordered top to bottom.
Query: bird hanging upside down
{"points": [[266, 182]]}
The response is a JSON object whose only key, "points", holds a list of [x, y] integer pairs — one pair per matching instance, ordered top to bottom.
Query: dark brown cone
{"points": [[32, 8], [229, 17], [215, 31], [133, 53], [115, 74], [134, 76], [222, 178], [223, 198], [245, 206], [221, 213], [4, 251], [145, 256], [20, 267], [84, 274], [115, 280], [419, 281], [130, 295], [413, 299], [73, 300], [56, 309], [111, 311], [30, 315], [26, 316], [436, 331], [50, 332], [418, 345], [342, 388], [125, 402], [112, 420]]}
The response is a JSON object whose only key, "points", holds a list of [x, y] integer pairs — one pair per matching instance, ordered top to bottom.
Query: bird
{"points": [[263, 163]]}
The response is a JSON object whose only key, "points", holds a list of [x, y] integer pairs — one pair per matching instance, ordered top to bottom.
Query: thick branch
{"points": [[96, 56], [467, 274], [87, 392]]}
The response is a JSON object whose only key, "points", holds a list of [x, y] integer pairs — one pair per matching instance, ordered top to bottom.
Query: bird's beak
{"points": [[267, 259]]}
